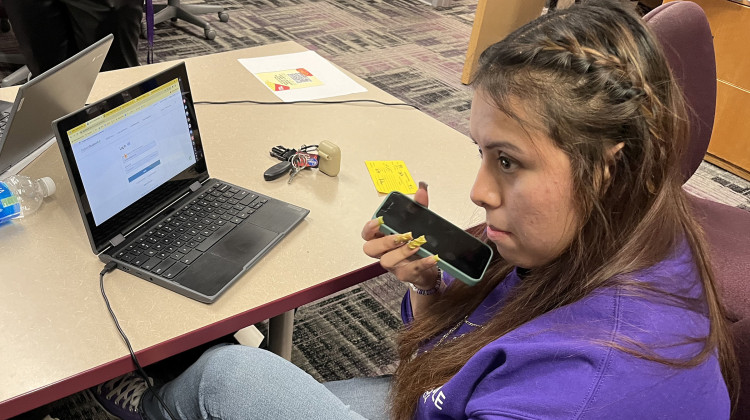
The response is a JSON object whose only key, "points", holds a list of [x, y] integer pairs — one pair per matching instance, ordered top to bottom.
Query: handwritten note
{"points": [[391, 175]]}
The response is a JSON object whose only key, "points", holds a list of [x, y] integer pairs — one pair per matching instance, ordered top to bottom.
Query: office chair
{"points": [[174, 10], [684, 33], [22, 74]]}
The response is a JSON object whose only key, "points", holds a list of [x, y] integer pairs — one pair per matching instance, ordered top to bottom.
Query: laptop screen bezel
{"points": [[152, 203]]}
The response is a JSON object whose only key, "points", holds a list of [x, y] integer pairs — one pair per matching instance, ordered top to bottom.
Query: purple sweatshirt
{"points": [[549, 368]]}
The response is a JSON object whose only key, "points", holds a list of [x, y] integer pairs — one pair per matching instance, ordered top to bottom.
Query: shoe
{"points": [[121, 397]]}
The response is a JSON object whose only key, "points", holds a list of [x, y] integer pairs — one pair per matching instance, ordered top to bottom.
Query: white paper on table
{"points": [[333, 82]]}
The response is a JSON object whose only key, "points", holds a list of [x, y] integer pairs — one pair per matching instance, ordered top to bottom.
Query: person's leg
{"points": [[92, 20], [43, 31], [239, 382], [366, 396]]}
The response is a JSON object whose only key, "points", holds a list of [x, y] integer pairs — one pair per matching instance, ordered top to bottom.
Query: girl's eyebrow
{"points": [[501, 144]]}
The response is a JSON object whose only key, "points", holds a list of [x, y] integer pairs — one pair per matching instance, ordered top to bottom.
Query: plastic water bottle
{"points": [[21, 196]]}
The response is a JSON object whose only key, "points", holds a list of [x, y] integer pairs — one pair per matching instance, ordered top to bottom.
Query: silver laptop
{"points": [[25, 123], [139, 175]]}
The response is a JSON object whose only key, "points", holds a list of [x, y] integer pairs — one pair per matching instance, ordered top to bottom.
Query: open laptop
{"points": [[25, 123], [139, 175]]}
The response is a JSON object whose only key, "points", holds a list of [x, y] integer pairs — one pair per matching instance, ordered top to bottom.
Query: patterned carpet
{"points": [[404, 47]]}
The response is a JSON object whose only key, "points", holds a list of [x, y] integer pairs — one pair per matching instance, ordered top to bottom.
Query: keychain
{"points": [[293, 161]]}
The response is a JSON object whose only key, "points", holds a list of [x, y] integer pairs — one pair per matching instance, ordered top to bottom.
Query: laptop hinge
{"points": [[195, 186], [117, 240]]}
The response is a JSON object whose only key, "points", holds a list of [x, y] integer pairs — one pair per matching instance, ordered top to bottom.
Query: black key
{"points": [[248, 199], [236, 220], [214, 237], [185, 249], [176, 256], [127, 257], [190, 257], [137, 261], [151, 263], [162, 266], [174, 270]]}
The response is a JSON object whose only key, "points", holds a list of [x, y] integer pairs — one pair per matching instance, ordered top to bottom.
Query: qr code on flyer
{"points": [[289, 79]]}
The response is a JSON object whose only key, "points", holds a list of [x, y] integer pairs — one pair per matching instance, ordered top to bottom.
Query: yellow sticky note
{"points": [[391, 175]]}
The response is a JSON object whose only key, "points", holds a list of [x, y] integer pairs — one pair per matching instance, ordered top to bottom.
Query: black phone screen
{"points": [[455, 246]]}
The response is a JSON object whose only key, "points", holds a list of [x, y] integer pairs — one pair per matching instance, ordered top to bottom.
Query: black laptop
{"points": [[25, 122], [136, 164]]}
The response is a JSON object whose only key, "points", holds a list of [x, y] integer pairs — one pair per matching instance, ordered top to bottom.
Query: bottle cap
{"points": [[48, 186]]}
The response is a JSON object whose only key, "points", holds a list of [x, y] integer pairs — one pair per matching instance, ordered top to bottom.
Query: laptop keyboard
{"points": [[3, 121], [176, 242]]}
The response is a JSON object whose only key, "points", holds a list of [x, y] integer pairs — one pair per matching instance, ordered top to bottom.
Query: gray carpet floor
{"points": [[408, 49]]}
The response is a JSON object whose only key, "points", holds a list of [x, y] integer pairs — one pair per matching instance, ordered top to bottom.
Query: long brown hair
{"points": [[594, 76]]}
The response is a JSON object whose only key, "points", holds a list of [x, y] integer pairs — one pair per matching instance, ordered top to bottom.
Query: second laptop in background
{"points": [[25, 124]]}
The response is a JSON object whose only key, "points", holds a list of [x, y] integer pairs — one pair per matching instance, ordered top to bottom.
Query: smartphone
{"points": [[462, 255]]}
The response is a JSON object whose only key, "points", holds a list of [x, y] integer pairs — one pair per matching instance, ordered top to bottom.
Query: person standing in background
{"points": [[50, 31]]}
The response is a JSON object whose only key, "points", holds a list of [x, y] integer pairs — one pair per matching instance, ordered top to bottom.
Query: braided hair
{"points": [[590, 76]]}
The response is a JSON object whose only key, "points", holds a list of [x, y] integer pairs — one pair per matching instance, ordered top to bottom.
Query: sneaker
{"points": [[121, 397]]}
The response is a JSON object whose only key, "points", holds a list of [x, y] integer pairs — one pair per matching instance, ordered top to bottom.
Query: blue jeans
{"points": [[238, 382]]}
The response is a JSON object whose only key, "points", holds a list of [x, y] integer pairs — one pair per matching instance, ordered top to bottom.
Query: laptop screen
{"points": [[125, 153], [132, 153]]}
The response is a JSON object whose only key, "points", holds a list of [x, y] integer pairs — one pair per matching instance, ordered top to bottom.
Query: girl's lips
{"points": [[495, 234]]}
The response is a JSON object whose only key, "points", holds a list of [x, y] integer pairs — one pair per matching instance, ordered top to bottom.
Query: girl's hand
{"points": [[396, 252]]}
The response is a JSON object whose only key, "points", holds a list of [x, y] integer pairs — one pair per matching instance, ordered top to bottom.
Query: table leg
{"points": [[280, 330]]}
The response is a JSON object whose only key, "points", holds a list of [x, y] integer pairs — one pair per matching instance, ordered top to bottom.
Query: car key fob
{"points": [[277, 170]]}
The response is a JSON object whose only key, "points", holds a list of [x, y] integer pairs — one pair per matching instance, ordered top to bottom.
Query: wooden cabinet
{"points": [[493, 21], [730, 141]]}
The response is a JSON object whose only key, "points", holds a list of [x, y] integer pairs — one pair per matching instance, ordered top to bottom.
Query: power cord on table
{"points": [[347, 101], [108, 268]]}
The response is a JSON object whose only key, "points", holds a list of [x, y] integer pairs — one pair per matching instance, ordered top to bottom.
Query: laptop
{"points": [[25, 123], [136, 164]]}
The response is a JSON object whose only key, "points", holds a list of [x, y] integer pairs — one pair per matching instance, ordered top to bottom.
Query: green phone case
{"points": [[422, 252]]}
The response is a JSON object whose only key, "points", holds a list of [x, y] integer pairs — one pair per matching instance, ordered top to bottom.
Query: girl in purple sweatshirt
{"points": [[601, 302]]}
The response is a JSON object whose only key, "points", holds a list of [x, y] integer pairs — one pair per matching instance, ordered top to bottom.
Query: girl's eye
{"points": [[506, 163]]}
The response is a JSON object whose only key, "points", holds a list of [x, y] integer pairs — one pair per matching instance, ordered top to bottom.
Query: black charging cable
{"points": [[347, 101], [108, 268]]}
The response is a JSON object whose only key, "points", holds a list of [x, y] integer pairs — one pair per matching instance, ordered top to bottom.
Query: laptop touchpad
{"points": [[243, 243], [226, 259]]}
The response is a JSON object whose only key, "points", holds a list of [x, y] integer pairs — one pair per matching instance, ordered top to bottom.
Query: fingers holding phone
{"points": [[397, 254]]}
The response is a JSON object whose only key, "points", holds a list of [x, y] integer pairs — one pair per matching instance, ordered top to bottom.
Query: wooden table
{"points": [[56, 337]]}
